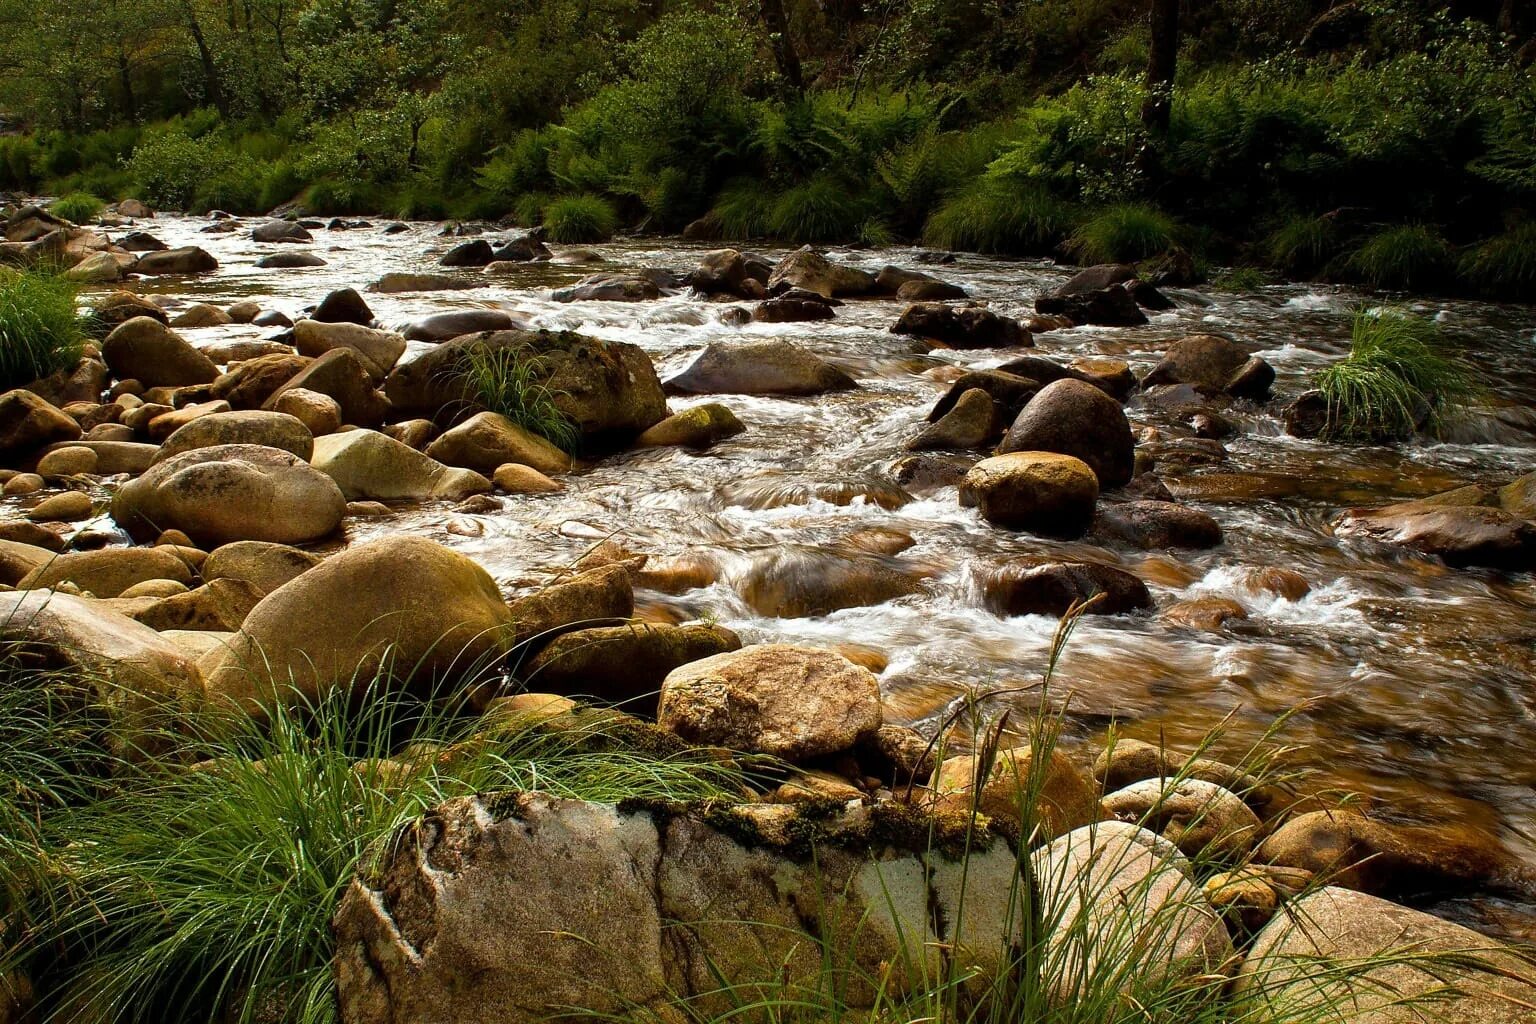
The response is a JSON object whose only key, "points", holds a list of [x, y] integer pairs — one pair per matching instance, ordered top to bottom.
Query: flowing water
{"points": [[1414, 683]]}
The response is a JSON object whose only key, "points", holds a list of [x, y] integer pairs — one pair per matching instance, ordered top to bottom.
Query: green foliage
{"points": [[519, 166], [77, 207], [823, 209], [743, 210], [999, 215], [585, 218], [1126, 233], [1303, 245], [1414, 256], [1504, 266], [1240, 279], [40, 330], [1398, 377], [515, 384]]}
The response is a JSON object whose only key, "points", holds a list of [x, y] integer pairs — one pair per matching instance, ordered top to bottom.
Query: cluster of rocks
{"points": [[34, 237]]}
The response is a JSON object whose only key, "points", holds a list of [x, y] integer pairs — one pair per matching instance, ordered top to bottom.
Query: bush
{"points": [[77, 207], [824, 209], [743, 210], [999, 215], [584, 218], [1126, 233], [1303, 245], [1414, 256], [1503, 267], [40, 331], [1397, 379], [512, 383]]}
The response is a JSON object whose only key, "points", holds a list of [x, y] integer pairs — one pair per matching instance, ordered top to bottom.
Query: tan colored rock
{"points": [[244, 311], [200, 315], [146, 350], [379, 350], [341, 374], [319, 413], [28, 423], [163, 426], [699, 427], [271, 429], [488, 440], [71, 460], [368, 465], [514, 478], [1041, 492], [69, 507], [18, 559], [265, 565], [109, 571], [155, 588], [595, 597], [218, 606], [623, 665], [791, 702], [1062, 799], [1199, 817]]}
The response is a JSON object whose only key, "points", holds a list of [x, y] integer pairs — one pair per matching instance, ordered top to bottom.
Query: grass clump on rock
{"points": [[77, 207], [999, 216], [584, 218], [1126, 233], [1407, 258], [1504, 266], [40, 329], [1398, 379], [512, 382]]}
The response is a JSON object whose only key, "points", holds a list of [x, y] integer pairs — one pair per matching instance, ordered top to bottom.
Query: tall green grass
{"points": [[77, 207], [827, 208], [743, 209], [1003, 216], [583, 218], [1126, 233], [1303, 245], [1408, 258], [1504, 266], [40, 329], [1399, 377], [515, 384]]}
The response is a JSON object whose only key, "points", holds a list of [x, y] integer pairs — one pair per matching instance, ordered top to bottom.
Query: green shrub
{"points": [[18, 162], [170, 166], [519, 166], [77, 207], [529, 209], [743, 209], [824, 209], [999, 215], [583, 218], [1126, 233], [1303, 245], [1414, 256], [1504, 267], [1240, 279], [40, 331], [1398, 376], [514, 384]]}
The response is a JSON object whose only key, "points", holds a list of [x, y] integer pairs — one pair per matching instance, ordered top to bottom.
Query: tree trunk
{"points": [[784, 54], [205, 58], [1161, 66], [125, 78]]}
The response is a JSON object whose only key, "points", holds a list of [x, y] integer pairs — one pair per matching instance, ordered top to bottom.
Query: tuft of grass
{"points": [[77, 208], [743, 209], [823, 209], [999, 216], [583, 218], [1126, 233], [1303, 245], [1407, 258], [1505, 266], [1240, 279], [40, 329], [1397, 379], [514, 383]]}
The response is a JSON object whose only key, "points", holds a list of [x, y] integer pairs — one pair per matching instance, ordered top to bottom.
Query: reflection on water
{"points": [[1418, 681]]}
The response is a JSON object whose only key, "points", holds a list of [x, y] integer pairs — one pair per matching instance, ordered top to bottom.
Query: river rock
{"points": [[280, 231], [141, 241], [525, 249], [474, 253], [185, 260], [290, 261], [97, 268], [808, 269], [722, 272], [397, 282], [609, 288], [930, 291], [343, 306], [1113, 306], [788, 310], [200, 315], [456, 323], [967, 326], [146, 350], [378, 350], [1213, 365], [759, 368], [343, 375], [1111, 376], [83, 382], [252, 382], [608, 389], [1010, 391], [320, 414], [1073, 418], [28, 422], [971, 423], [163, 425], [699, 427], [271, 429], [488, 440], [114, 457], [70, 460], [368, 465], [232, 492], [1042, 492], [69, 507], [1157, 524], [1462, 536], [19, 559], [264, 565], [108, 572], [791, 583], [1054, 587], [601, 596], [219, 606], [398, 612], [623, 665], [789, 702], [1061, 798], [1199, 817], [1357, 852], [1337, 951]]}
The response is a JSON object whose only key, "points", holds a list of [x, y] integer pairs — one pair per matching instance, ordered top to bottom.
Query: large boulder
{"points": [[280, 231], [188, 259], [808, 269], [343, 306], [1113, 306], [457, 323], [966, 326], [146, 350], [379, 350], [1213, 365], [759, 368], [343, 375], [251, 382], [607, 389], [1073, 418], [28, 422], [271, 429], [489, 440], [369, 466], [232, 492], [1043, 492], [1462, 536], [264, 565], [109, 571], [1054, 587], [398, 612], [623, 665], [790, 702], [1051, 800], [1201, 818], [511, 909], [1342, 955]]}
